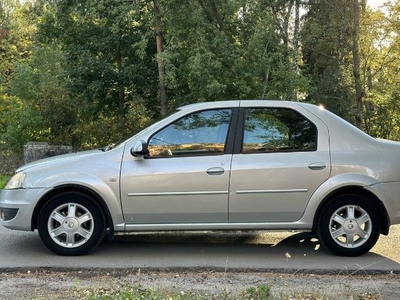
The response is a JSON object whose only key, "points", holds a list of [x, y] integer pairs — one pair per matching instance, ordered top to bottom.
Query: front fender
{"points": [[108, 191]]}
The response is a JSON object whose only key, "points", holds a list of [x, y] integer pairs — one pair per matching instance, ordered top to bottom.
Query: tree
{"points": [[17, 29], [326, 42], [8, 49], [160, 50], [227, 50], [380, 52], [109, 55], [88, 73], [39, 81], [359, 92]]}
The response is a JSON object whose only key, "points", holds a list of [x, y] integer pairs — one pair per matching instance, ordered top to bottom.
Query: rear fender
{"points": [[335, 184]]}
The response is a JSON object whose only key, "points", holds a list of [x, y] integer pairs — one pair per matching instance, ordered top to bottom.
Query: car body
{"points": [[227, 165]]}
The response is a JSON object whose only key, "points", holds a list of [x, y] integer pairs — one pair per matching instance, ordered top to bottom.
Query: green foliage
{"points": [[326, 39], [231, 51], [381, 51], [108, 52], [85, 72], [40, 83], [19, 120], [21, 123], [3, 180], [261, 292], [138, 293]]}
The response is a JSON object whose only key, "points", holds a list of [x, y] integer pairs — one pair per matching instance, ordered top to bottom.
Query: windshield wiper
{"points": [[108, 147]]}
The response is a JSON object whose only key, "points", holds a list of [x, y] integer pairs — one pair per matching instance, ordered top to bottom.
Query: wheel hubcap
{"points": [[70, 225], [350, 226]]}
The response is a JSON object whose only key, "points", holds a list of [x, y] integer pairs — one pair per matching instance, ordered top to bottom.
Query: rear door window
{"points": [[277, 129]]}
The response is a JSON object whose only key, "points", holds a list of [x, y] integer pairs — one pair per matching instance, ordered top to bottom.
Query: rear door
{"points": [[282, 157]]}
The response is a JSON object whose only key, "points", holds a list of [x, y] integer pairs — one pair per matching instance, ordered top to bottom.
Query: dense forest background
{"points": [[90, 72]]}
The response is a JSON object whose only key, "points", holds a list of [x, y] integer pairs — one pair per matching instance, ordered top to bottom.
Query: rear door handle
{"points": [[317, 166], [215, 171]]}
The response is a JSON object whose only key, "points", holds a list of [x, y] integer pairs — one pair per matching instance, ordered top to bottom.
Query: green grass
{"points": [[3, 180], [261, 292]]}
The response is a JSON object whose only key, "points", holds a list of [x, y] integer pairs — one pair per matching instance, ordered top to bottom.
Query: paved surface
{"points": [[274, 252]]}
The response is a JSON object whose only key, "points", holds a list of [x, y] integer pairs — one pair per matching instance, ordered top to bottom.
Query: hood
{"points": [[389, 142], [59, 158]]}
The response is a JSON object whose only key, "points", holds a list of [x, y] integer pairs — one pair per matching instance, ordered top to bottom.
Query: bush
{"points": [[9, 161], [3, 180]]}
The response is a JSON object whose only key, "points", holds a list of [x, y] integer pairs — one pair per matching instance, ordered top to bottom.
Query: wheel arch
{"points": [[73, 188], [359, 191]]}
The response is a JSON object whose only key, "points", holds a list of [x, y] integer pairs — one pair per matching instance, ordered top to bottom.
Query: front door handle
{"points": [[317, 166], [215, 171]]}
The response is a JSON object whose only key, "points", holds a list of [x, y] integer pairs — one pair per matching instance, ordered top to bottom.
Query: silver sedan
{"points": [[229, 165]]}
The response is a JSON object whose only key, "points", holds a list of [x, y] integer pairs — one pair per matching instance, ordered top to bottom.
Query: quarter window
{"points": [[277, 129], [200, 133]]}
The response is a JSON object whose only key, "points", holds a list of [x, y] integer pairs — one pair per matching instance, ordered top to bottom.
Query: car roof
{"points": [[238, 103], [331, 120]]}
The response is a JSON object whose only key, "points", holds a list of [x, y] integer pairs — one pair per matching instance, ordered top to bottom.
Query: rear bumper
{"points": [[391, 201]]}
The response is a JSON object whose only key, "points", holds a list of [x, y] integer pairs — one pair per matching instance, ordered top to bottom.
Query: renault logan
{"points": [[231, 165]]}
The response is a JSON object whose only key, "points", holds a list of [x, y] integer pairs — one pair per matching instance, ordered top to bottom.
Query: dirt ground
{"points": [[45, 284]]}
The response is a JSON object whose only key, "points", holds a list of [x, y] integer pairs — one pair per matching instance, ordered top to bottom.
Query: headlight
{"points": [[16, 182]]}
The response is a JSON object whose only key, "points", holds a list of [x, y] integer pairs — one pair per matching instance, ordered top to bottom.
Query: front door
{"points": [[185, 178]]}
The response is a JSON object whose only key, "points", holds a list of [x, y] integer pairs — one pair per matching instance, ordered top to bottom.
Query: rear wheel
{"points": [[71, 224], [349, 225]]}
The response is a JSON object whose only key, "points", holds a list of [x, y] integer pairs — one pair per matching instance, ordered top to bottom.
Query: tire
{"points": [[71, 224], [349, 225]]}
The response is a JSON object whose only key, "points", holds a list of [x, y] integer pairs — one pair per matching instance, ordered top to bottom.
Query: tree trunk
{"points": [[296, 48], [160, 50], [356, 67], [121, 101]]}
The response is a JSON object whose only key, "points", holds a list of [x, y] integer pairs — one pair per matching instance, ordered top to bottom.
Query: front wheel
{"points": [[71, 224], [349, 225]]}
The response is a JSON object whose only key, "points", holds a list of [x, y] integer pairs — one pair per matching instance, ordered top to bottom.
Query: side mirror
{"points": [[140, 149]]}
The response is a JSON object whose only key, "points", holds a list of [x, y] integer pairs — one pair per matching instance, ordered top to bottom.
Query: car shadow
{"points": [[280, 241], [275, 252], [287, 252]]}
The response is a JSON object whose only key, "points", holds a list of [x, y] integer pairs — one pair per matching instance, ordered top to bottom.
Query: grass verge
{"points": [[261, 292]]}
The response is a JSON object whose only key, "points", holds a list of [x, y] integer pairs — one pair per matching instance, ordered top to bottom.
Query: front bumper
{"points": [[17, 206]]}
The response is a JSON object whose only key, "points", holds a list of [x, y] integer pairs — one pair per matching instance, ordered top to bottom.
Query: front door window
{"points": [[201, 133]]}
